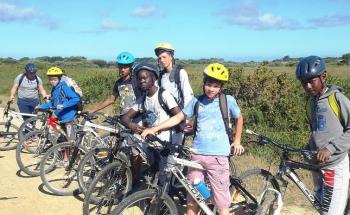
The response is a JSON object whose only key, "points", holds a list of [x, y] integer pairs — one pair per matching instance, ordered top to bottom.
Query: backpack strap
{"points": [[22, 77], [177, 81], [178, 85], [161, 101], [335, 106], [195, 114], [224, 114]]}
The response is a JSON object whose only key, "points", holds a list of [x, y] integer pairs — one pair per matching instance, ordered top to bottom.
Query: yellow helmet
{"points": [[163, 46], [54, 71], [217, 71]]}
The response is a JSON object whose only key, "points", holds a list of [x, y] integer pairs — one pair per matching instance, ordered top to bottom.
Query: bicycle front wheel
{"points": [[32, 124], [8, 136], [30, 151], [91, 165], [54, 171], [259, 183], [108, 188], [143, 202]]}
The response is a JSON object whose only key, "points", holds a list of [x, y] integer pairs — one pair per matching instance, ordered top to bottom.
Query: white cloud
{"points": [[145, 11], [11, 13], [246, 14], [330, 21], [108, 25]]}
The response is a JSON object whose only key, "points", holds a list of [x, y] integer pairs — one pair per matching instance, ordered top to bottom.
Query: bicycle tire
{"points": [[23, 129], [8, 142], [28, 157], [54, 157], [91, 165], [232, 166], [255, 181], [102, 184], [128, 203]]}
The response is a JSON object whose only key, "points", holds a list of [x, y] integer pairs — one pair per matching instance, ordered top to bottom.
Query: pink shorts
{"points": [[217, 171]]}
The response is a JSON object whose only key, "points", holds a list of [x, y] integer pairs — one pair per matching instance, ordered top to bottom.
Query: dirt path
{"points": [[25, 195]]}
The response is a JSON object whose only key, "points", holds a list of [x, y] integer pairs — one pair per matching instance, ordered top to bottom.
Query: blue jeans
{"points": [[27, 106]]}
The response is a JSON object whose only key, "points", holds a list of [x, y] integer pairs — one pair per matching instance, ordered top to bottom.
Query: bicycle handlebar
{"points": [[173, 148], [309, 154]]}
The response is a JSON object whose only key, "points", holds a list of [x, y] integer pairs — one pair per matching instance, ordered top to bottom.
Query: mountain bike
{"points": [[8, 130], [33, 145], [58, 167], [259, 179], [157, 201]]}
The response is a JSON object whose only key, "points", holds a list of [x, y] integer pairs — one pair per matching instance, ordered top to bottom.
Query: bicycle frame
{"points": [[287, 168], [175, 170]]}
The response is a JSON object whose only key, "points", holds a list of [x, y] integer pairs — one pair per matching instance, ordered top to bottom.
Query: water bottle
{"points": [[202, 188]]}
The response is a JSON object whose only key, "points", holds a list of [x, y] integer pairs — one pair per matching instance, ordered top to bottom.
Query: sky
{"points": [[231, 29]]}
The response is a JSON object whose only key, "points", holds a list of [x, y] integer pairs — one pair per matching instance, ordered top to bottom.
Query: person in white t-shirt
{"points": [[174, 78], [151, 110]]}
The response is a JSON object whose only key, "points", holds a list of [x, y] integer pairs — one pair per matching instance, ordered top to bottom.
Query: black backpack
{"points": [[176, 71], [22, 77], [224, 114]]}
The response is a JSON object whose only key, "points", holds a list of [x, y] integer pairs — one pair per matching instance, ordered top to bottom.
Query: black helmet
{"points": [[148, 67], [310, 67], [30, 68]]}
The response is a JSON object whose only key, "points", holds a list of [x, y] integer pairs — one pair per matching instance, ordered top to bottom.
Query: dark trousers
{"points": [[27, 106]]}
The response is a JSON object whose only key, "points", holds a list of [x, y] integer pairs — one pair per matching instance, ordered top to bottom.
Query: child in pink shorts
{"points": [[213, 140]]}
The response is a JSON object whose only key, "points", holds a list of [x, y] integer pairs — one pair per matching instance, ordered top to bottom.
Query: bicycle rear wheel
{"points": [[8, 136], [53, 169], [108, 188], [141, 202]]}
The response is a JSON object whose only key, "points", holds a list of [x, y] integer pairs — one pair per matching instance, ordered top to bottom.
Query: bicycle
{"points": [[8, 130], [32, 147], [102, 154], [58, 167], [287, 168], [157, 201]]}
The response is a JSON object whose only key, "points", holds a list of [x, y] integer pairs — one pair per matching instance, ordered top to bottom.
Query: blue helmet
{"points": [[125, 58], [310, 67], [30, 68]]}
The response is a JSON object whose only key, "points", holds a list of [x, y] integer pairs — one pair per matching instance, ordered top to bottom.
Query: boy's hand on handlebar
{"points": [[12, 99], [136, 128], [148, 131], [237, 148], [324, 155]]}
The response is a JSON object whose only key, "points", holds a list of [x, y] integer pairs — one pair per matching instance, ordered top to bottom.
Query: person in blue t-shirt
{"points": [[211, 144]]}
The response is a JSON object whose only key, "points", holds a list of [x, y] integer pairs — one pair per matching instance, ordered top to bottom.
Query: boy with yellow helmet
{"points": [[63, 99], [211, 144]]}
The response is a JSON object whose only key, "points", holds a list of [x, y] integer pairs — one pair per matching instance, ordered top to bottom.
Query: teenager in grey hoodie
{"points": [[330, 134]]}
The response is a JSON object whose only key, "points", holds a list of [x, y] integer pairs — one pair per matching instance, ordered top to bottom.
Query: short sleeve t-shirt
{"points": [[28, 88], [124, 90], [154, 112], [211, 137]]}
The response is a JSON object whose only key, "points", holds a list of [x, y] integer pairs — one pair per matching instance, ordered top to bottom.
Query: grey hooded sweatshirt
{"points": [[327, 130]]}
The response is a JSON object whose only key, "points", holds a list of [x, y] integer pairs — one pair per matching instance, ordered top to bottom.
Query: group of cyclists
{"points": [[158, 100]]}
